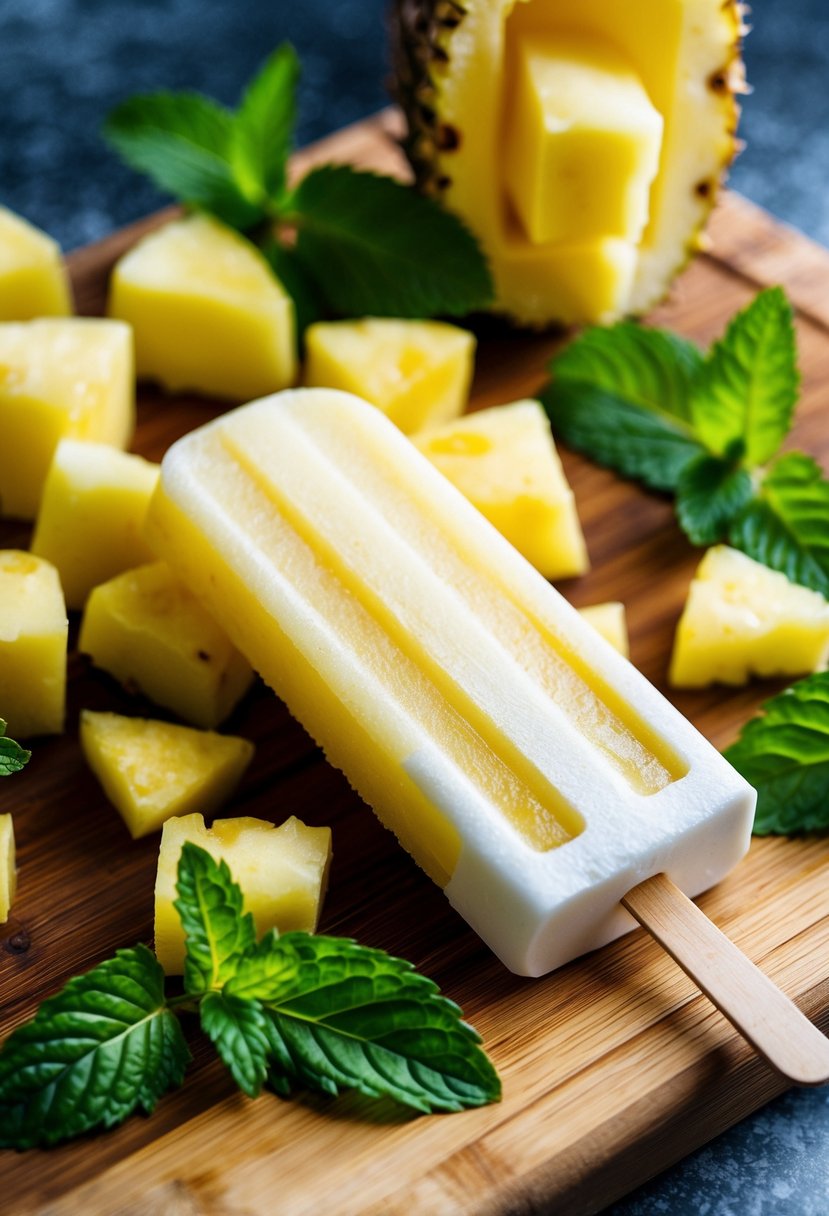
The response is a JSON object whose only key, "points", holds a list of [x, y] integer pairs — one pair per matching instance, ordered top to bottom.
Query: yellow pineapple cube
{"points": [[33, 279], [207, 311], [417, 372], [59, 378], [505, 462], [91, 515], [742, 619], [609, 620], [148, 631], [33, 636], [151, 771], [8, 868], [283, 873]]}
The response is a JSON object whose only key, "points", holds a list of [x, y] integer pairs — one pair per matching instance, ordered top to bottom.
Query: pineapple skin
{"points": [[424, 34]]}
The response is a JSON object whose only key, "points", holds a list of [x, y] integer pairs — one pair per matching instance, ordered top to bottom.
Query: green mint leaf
{"points": [[263, 129], [183, 142], [374, 247], [308, 304], [748, 388], [710, 493], [786, 526], [784, 754], [13, 757], [210, 906], [340, 1015], [239, 1031], [92, 1054]]}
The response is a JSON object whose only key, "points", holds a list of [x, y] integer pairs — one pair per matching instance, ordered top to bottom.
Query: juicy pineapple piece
{"points": [[459, 80], [33, 279], [207, 311], [416, 372], [69, 378], [505, 462], [89, 525], [742, 619], [609, 620], [148, 631], [33, 636], [151, 770], [8, 868], [283, 873]]}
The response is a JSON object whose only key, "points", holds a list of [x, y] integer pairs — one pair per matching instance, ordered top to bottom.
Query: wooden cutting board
{"points": [[613, 1067]]}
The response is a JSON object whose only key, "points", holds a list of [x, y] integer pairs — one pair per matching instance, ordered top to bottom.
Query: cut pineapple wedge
{"points": [[33, 279], [207, 311], [416, 372], [61, 378], [505, 462], [89, 524], [742, 619], [609, 620], [33, 637], [151, 771], [8, 867], [283, 873]]}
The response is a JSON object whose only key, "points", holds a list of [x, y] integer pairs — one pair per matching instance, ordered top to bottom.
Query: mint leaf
{"points": [[263, 130], [183, 142], [372, 246], [308, 305], [748, 388], [710, 493], [786, 526], [784, 754], [13, 757], [210, 907], [340, 1015], [238, 1030], [92, 1054]]}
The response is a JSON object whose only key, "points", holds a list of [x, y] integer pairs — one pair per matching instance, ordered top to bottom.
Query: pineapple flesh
{"points": [[583, 141], [33, 279], [609, 620], [34, 631], [8, 868]]}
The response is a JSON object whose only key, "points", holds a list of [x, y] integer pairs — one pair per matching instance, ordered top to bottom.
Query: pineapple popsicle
{"points": [[529, 769]]}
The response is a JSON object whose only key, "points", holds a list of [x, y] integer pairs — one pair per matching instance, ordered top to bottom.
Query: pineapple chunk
{"points": [[583, 142], [33, 280], [207, 311], [416, 372], [70, 378], [505, 462], [89, 525], [742, 619], [609, 620], [148, 631], [33, 637], [151, 771], [8, 869], [283, 873]]}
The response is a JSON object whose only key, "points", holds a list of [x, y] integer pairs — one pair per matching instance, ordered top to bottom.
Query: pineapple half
{"points": [[583, 141]]}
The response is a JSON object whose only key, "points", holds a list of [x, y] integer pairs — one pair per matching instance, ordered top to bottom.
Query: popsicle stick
{"points": [[755, 1006]]}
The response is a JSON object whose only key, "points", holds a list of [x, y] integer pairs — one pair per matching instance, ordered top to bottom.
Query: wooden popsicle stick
{"points": [[754, 1005]]}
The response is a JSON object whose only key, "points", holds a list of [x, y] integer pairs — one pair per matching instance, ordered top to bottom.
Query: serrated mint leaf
{"points": [[263, 129], [183, 142], [374, 247], [748, 387], [710, 493], [786, 526], [784, 754], [13, 757], [217, 931], [340, 1015], [238, 1030], [92, 1054]]}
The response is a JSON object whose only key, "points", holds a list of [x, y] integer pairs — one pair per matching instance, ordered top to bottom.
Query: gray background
{"points": [[64, 63]]}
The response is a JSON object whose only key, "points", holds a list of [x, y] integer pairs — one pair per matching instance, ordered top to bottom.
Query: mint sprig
{"points": [[355, 243], [784, 754], [13, 757], [321, 1012]]}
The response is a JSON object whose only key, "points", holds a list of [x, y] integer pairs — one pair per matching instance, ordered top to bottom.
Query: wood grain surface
{"points": [[614, 1066]]}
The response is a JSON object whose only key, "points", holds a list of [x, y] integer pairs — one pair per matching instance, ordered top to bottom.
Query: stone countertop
{"points": [[64, 63]]}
